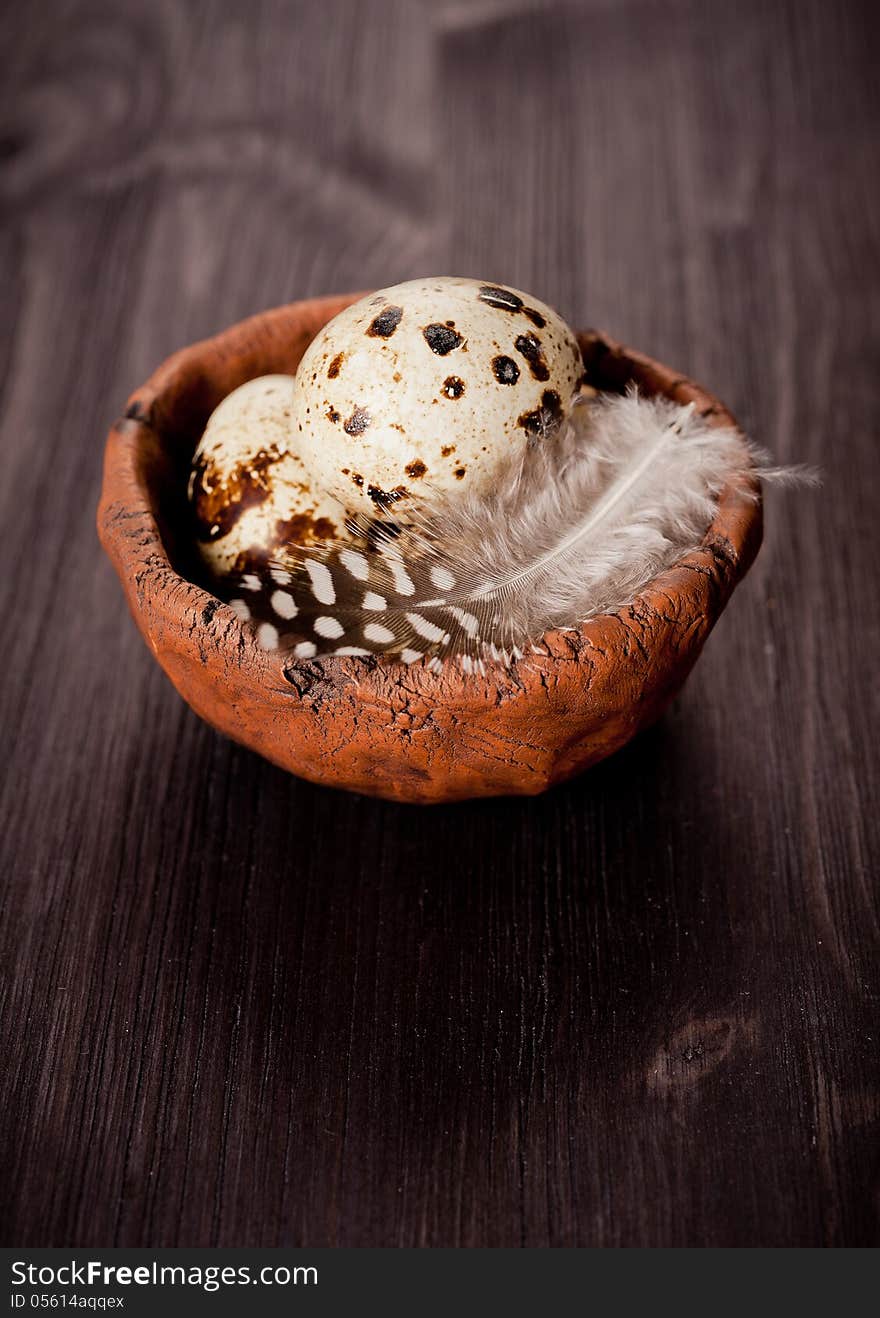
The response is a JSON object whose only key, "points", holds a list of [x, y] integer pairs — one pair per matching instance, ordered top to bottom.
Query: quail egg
{"points": [[431, 383]]}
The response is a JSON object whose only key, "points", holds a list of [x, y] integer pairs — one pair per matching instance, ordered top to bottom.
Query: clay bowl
{"points": [[374, 726]]}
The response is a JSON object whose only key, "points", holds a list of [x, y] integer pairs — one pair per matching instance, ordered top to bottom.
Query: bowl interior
{"points": [[180, 398]]}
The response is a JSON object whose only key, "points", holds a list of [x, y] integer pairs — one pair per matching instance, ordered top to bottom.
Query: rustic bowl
{"points": [[374, 726]]}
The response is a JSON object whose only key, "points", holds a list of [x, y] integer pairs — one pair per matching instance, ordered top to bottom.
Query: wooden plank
{"points": [[642, 1010]]}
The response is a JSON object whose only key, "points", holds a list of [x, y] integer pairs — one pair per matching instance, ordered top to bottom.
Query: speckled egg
{"points": [[430, 383], [249, 490]]}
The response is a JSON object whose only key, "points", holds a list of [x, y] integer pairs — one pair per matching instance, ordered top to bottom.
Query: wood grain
{"points": [[643, 1010]]}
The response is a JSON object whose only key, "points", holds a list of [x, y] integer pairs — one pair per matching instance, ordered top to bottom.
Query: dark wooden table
{"points": [[643, 1010]]}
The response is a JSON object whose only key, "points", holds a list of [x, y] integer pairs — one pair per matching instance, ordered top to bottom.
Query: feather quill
{"points": [[575, 527]]}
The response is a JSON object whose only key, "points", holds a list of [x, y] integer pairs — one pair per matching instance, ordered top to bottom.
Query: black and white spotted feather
{"points": [[575, 527]]}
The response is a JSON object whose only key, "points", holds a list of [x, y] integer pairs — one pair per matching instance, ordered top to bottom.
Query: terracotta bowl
{"points": [[374, 726]]}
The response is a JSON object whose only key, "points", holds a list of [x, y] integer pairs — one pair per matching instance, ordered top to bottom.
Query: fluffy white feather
{"points": [[576, 527]]}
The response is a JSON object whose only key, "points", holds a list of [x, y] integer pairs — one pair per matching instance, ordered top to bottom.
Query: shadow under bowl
{"points": [[373, 725]]}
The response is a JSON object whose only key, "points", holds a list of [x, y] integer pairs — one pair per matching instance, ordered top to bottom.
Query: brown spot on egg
{"points": [[494, 296], [535, 317], [387, 321], [442, 339], [529, 345], [333, 368], [505, 370], [453, 386], [333, 415], [545, 418], [358, 422], [447, 449], [415, 469], [459, 473], [358, 479], [382, 498], [219, 499], [303, 528], [300, 529], [247, 559]]}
